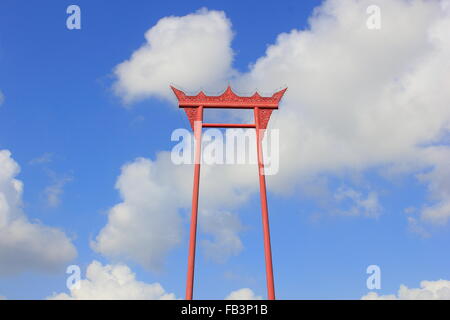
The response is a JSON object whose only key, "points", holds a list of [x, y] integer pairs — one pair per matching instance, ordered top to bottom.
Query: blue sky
{"points": [[67, 127]]}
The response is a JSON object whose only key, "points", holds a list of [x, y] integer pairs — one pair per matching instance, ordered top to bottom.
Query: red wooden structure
{"points": [[262, 109]]}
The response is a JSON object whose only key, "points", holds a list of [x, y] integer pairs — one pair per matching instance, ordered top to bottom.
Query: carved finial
{"points": [[178, 93], [201, 94], [279, 94], [256, 95]]}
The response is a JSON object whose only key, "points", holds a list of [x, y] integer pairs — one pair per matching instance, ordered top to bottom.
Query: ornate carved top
{"points": [[228, 99]]}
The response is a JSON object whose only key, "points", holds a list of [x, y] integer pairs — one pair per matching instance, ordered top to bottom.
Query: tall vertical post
{"points": [[264, 209], [193, 229]]}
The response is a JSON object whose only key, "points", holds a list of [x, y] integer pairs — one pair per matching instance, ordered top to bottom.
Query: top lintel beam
{"points": [[228, 99], [209, 105]]}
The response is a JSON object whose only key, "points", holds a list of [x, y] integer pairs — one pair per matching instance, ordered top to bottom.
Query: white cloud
{"points": [[192, 51], [2, 98], [361, 99], [366, 119], [44, 158], [438, 179], [54, 191], [368, 206], [147, 224], [416, 227], [224, 228], [26, 245], [113, 282], [429, 290], [243, 294]]}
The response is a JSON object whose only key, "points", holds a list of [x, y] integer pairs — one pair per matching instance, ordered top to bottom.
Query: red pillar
{"points": [[264, 209], [194, 212]]}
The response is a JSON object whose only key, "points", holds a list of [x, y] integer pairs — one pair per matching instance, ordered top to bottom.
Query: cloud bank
{"points": [[26, 245]]}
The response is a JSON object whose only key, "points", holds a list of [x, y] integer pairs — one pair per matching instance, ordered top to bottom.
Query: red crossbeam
{"points": [[228, 125]]}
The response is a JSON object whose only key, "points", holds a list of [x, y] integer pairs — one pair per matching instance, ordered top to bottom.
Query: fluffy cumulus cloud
{"points": [[190, 51], [361, 98], [358, 99], [148, 223], [26, 245], [113, 282], [429, 290], [243, 294]]}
